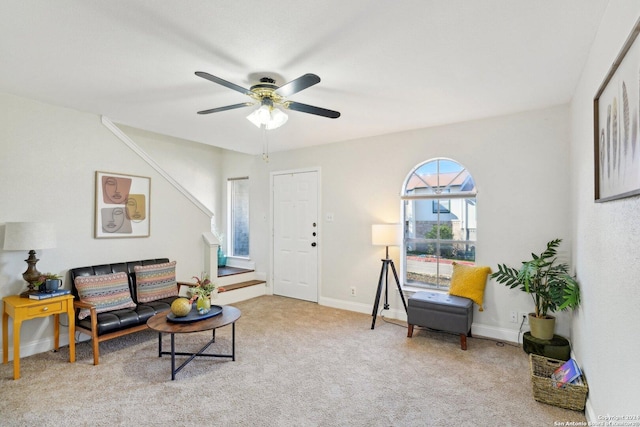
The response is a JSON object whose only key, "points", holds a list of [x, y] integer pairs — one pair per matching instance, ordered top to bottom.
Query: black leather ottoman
{"points": [[441, 311]]}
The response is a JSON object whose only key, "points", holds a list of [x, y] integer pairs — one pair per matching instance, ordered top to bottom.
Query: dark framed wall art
{"points": [[616, 108], [122, 205]]}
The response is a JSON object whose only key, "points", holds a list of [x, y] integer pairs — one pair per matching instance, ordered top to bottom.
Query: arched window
{"points": [[439, 211]]}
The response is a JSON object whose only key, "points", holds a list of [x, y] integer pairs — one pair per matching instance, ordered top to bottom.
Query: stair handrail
{"points": [[143, 154]]}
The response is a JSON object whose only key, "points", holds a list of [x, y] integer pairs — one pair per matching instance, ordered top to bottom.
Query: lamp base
{"points": [[32, 275], [384, 281], [31, 289], [28, 292]]}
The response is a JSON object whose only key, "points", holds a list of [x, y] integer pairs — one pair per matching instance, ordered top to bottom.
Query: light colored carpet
{"points": [[297, 364]]}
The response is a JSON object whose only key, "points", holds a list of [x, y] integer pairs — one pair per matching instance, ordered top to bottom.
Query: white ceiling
{"points": [[386, 65]]}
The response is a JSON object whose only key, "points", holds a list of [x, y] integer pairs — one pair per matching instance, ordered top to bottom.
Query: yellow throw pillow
{"points": [[469, 281]]}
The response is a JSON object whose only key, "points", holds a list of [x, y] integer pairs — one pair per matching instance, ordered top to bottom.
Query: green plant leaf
{"points": [[550, 285]]}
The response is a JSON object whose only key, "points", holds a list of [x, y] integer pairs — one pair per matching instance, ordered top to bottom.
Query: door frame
{"points": [[318, 172]]}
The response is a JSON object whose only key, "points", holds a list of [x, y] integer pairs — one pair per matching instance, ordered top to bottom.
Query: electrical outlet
{"points": [[353, 291], [524, 316], [513, 317]]}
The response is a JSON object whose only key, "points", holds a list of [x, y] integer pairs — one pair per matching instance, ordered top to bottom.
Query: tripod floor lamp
{"points": [[386, 235]]}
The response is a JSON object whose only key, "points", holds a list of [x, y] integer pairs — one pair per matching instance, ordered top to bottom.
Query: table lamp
{"points": [[386, 235], [29, 236]]}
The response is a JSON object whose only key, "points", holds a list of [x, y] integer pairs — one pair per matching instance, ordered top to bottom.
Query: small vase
{"points": [[222, 258], [203, 304]]}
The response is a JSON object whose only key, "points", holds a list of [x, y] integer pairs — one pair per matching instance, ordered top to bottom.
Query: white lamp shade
{"points": [[268, 116], [278, 118], [386, 234], [28, 236]]}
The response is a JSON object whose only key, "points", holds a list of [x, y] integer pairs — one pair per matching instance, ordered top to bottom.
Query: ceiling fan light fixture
{"points": [[260, 116], [268, 116], [278, 118]]}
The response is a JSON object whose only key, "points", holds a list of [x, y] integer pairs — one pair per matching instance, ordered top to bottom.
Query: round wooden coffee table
{"points": [[160, 324]]}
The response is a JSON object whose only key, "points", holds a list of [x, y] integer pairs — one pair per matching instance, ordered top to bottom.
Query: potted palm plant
{"points": [[549, 284]]}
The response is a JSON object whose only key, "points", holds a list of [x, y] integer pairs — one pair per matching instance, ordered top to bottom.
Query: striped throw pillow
{"points": [[156, 281], [106, 291]]}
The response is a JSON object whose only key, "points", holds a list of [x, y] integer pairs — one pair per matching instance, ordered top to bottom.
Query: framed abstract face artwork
{"points": [[616, 109], [122, 206]]}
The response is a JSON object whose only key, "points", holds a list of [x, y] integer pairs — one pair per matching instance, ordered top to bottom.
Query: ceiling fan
{"points": [[269, 97]]}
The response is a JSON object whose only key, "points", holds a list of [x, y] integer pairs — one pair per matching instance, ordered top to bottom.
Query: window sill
{"points": [[240, 262], [412, 289]]}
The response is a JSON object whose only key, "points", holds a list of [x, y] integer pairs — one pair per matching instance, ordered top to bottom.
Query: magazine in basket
{"points": [[568, 373]]}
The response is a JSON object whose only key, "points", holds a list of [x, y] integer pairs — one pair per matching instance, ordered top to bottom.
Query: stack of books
{"points": [[45, 295], [568, 373]]}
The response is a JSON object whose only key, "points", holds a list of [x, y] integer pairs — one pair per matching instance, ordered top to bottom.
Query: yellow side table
{"points": [[21, 309]]}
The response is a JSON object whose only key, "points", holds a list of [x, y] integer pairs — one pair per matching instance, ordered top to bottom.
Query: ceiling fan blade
{"points": [[223, 82], [295, 86], [228, 107], [304, 108]]}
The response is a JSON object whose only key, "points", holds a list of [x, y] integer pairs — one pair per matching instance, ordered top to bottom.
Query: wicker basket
{"points": [[571, 396]]}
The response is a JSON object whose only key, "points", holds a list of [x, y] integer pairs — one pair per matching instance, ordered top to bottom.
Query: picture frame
{"points": [[616, 111], [122, 205]]}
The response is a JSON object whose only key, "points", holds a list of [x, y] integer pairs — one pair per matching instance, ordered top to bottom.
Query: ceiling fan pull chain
{"points": [[265, 144]]}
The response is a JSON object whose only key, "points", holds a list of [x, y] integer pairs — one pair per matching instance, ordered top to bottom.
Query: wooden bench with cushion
{"points": [[112, 300]]}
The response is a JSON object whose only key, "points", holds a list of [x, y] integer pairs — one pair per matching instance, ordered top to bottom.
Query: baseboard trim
{"points": [[345, 305], [492, 332], [496, 333], [39, 346], [590, 414]]}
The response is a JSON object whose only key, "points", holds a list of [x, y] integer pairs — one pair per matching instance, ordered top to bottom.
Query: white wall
{"points": [[48, 160], [519, 163], [236, 165], [196, 167], [606, 253]]}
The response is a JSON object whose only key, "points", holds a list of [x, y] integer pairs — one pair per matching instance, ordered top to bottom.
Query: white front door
{"points": [[295, 235]]}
